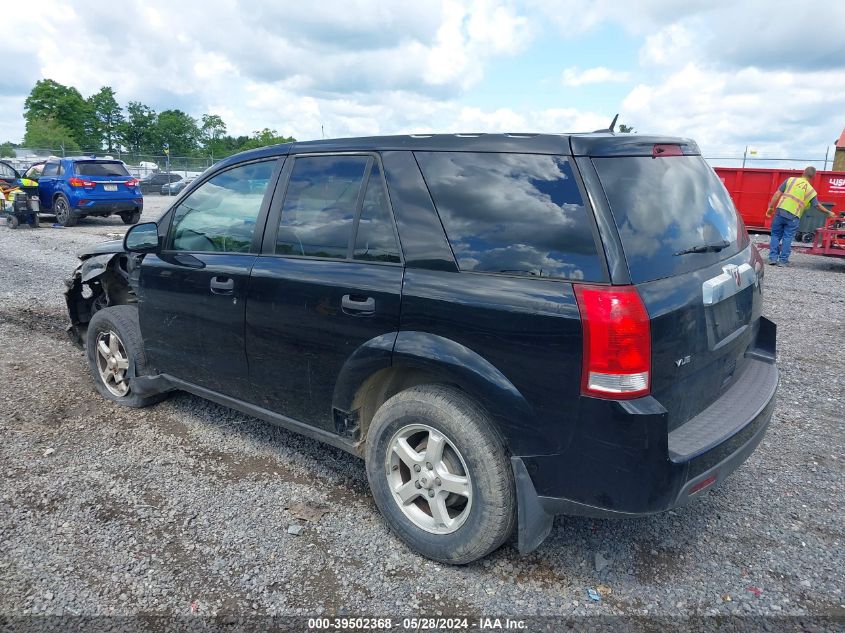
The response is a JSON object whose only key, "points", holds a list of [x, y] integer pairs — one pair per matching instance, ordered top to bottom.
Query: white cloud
{"points": [[726, 73], [575, 77], [782, 113]]}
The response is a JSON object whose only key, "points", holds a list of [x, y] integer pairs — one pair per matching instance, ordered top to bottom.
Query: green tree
{"points": [[65, 106], [108, 117], [178, 130], [135, 131], [212, 131], [47, 133], [262, 138], [7, 150]]}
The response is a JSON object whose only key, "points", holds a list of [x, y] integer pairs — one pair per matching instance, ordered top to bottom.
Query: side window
{"points": [[51, 169], [7, 172], [319, 206], [517, 214], [220, 215], [375, 239]]}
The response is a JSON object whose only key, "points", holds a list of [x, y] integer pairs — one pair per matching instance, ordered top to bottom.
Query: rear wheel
{"points": [[64, 214], [130, 217], [12, 221], [116, 355], [440, 474]]}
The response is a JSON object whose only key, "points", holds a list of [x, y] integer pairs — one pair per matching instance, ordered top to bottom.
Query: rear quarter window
{"points": [[515, 214]]}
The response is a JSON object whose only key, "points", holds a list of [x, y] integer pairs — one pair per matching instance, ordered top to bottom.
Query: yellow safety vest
{"points": [[26, 182], [796, 196]]}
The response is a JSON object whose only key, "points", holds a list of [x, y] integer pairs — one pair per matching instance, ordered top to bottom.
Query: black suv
{"points": [[153, 182], [505, 327]]}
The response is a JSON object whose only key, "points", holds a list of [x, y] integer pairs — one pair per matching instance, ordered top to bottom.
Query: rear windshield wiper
{"points": [[705, 248], [519, 271]]}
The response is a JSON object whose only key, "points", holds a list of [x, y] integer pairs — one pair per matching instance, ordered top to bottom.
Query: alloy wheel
{"points": [[62, 210], [113, 363], [429, 479]]}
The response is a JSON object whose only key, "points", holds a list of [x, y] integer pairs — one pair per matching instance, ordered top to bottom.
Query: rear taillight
{"points": [[79, 182], [132, 183], [617, 342]]}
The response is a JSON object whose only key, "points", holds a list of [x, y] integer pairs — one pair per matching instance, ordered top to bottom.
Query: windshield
{"points": [[92, 168], [674, 215]]}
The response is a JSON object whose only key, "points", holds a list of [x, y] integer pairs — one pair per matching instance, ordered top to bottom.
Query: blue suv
{"points": [[76, 187]]}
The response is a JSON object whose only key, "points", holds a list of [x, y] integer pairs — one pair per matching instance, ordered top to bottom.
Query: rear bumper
{"points": [[104, 207], [624, 463]]}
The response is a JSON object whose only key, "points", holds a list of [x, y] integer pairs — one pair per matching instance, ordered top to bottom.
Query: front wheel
{"points": [[64, 214], [116, 355], [440, 474]]}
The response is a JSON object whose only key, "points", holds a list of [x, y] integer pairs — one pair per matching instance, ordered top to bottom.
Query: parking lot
{"points": [[185, 507]]}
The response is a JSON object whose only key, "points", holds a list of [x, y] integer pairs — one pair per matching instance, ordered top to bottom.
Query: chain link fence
{"points": [[139, 165]]}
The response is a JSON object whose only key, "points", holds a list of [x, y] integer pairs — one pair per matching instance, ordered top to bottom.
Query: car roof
{"points": [[589, 144], [89, 159]]}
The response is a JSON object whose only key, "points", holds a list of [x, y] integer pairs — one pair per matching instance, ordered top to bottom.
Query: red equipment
{"points": [[752, 188], [830, 240]]}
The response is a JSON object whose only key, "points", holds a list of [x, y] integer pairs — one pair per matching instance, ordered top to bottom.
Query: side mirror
{"points": [[141, 238]]}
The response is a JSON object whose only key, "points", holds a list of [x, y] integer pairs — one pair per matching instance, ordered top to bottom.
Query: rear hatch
{"points": [[105, 179], [691, 260]]}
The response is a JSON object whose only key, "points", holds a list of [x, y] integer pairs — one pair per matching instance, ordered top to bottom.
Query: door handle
{"points": [[222, 285], [356, 305]]}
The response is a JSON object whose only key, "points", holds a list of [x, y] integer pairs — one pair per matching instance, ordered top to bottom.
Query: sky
{"points": [[731, 74]]}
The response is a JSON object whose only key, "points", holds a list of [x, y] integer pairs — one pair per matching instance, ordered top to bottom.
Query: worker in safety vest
{"points": [[788, 204]]}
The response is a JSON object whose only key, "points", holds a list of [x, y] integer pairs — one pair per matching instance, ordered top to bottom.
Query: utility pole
{"points": [[167, 163]]}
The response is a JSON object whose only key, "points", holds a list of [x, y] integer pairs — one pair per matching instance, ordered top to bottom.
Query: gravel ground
{"points": [[185, 507]]}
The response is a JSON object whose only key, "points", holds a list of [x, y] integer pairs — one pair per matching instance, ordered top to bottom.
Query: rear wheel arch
{"points": [[420, 358]]}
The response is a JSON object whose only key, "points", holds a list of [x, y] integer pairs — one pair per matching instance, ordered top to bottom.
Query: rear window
{"points": [[95, 168], [664, 206], [517, 214]]}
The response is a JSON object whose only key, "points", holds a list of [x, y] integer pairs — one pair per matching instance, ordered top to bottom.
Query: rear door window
{"points": [[91, 168], [51, 169], [665, 206], [319, 208], [516, 214], [375, 239]]}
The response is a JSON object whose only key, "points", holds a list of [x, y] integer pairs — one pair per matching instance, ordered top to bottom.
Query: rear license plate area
{"points": [[110, 187]]}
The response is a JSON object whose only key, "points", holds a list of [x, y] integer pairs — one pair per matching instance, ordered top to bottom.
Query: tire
{"points": [[64, 214], [130, 217], [12, 221], [36, 222], [117, 327], [482, 514]]}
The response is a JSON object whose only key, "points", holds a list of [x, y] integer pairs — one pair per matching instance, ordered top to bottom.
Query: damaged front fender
{"points": [[103, 279]]}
